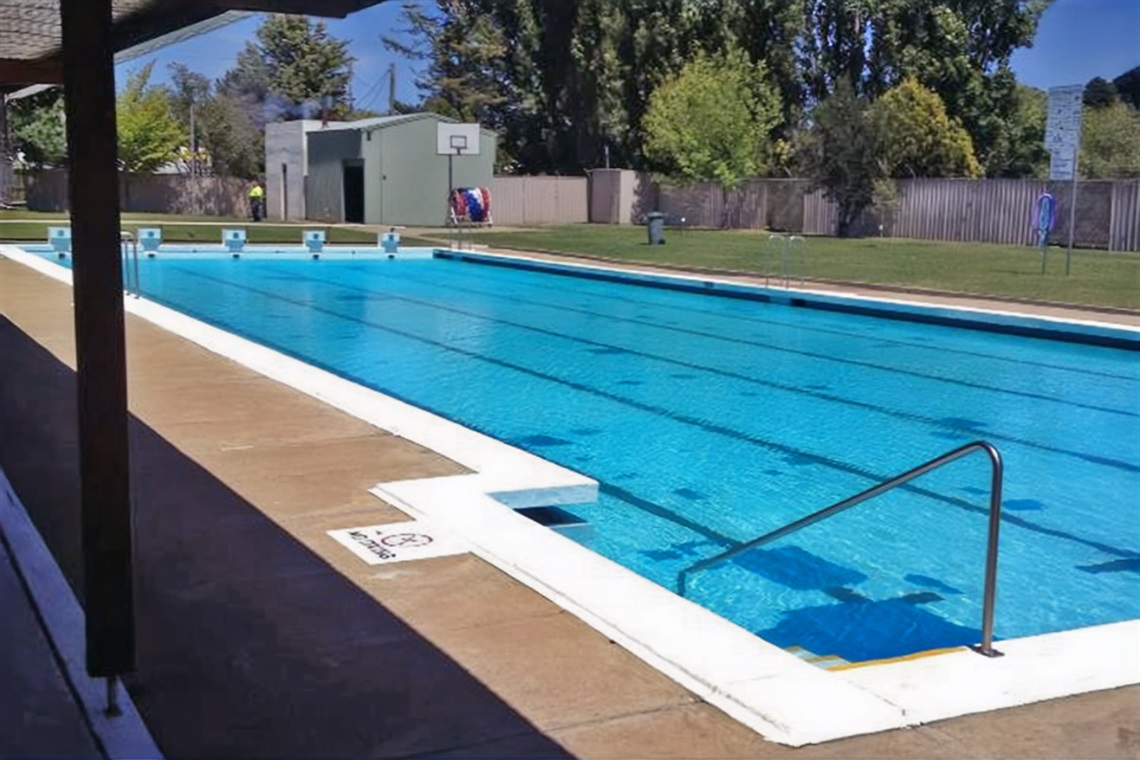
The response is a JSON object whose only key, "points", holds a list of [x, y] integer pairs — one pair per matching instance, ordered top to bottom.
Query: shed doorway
{"points": [[354, 193]]}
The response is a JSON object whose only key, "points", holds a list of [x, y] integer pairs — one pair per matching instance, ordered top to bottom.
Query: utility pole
{"points": [[392, 89], [193, 144]]}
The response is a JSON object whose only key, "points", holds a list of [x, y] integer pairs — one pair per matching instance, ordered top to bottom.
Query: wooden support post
{"points": [[89, 102]]}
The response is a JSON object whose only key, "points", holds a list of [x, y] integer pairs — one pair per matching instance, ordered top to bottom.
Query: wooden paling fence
{"points": [[987, 210]]}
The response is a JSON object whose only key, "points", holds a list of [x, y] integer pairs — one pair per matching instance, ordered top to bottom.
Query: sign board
{"points": [[1063, 120], [456, 139], [1062, 165], [397, 542]]}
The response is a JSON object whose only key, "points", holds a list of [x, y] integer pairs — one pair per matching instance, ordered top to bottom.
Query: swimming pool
{"points": [[708, 421]]}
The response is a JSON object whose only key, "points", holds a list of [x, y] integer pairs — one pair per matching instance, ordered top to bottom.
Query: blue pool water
{"points": [[708, 421]]}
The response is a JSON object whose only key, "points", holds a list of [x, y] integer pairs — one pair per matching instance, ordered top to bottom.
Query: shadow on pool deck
{"points": [[260, 636]]}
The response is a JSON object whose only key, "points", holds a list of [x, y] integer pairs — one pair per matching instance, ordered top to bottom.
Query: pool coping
{"points": [[773, 692]]}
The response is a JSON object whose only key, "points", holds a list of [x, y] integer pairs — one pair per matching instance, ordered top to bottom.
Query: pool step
{"points": [[825, 661]]}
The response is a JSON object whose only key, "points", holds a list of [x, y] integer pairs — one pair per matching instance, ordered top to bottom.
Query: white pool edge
{"points": [[767, 689]]}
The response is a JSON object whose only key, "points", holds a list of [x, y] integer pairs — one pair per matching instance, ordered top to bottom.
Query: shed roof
{"points": [[383, 122]]}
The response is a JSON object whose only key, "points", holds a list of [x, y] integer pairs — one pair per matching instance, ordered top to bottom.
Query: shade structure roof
{"points": [[30, 34]]}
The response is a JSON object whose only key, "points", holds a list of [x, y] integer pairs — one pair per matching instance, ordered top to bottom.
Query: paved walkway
{"points": [[260, 636]]}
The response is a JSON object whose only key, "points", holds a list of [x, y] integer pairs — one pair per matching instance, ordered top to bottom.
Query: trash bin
{"points": [[655, 222]]}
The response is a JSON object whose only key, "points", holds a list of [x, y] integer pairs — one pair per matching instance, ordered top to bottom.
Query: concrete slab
{"points": [[561, 676], [698, 731]]}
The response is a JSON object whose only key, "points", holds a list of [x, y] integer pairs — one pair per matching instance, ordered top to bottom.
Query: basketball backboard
{"points": [[457, 139]]}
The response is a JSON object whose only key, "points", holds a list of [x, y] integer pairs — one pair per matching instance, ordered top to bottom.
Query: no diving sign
{"points": [[397, 542]]}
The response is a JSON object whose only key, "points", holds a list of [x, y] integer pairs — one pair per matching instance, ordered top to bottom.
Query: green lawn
{"points": [[174, 231], [1097, 278]]}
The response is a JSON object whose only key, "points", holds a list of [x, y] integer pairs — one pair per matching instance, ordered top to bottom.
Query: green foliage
{"points": [[461, 51], [305, 66], [293, 70], [248, 80], [574, 80], [1128, 86], [1100, 93], [713, 121], [38, 129], [149, 135], [230, 138], [919, 139], [234, 142], [1110, 142], [1020, 148], [842, 151]]}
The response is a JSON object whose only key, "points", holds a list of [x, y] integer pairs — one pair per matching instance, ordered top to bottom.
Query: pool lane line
{"points": [[787, 325], [773, 347], [770, 384], [720, 430]]}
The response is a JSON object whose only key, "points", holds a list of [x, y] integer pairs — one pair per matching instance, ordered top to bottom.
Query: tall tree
{"points": [[959, 48], [461, 52], [307, 66], [294, 70], [1128, 86], [1100, 93], [713, 121], [37, 128], [149, 135], [919, 139], [233, 141], [1110, 142], [1020, 148], [842, 153]]}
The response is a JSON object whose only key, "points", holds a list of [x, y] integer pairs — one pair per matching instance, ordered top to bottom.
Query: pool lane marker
{"points": [[398, 542]]}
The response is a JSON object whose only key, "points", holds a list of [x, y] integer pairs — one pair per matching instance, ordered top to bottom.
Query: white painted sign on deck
{"points": [[1063, 121], [398, 542]]}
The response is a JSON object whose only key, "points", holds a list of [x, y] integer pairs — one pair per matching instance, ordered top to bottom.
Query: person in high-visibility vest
{"points": [[257, 201]]}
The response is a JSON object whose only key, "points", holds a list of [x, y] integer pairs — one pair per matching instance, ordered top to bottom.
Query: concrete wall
{"points": [[286, 145], [410, 180], [324, 190], [151, 193], [523, 201]]}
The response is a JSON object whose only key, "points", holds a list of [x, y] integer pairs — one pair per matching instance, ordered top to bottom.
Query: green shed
{"points": [[386, 171]]}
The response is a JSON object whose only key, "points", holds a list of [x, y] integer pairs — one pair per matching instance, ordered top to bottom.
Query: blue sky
{"points": [[1076, 41]]}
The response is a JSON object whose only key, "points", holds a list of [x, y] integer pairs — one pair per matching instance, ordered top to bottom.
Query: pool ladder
{"points": [[130, 248], [790, 264], [997, 471]]}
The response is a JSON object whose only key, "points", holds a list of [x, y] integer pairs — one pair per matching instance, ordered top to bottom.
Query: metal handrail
{"points": [[127, 239], [773, 239], [791, 248], [787, 249], [986, 647]]}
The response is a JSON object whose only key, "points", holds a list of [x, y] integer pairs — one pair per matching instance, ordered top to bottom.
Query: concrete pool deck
{"points": [[261, 635]]}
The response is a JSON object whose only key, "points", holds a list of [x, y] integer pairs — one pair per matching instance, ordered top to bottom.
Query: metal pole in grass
{"points": [[1063, 141], [1072, 211]]}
